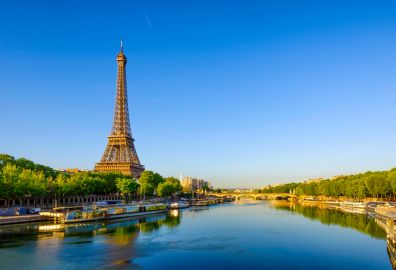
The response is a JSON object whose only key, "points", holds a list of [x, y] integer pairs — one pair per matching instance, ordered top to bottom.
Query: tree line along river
{"points": [[241, 235]]}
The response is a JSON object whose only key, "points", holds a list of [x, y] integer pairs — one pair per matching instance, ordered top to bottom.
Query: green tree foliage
{"points": [[6, 159], [391, 176], [22, 177], [149, 182], [84, 183], [176, 184], [370, 184], [127, 186], [169, 187], [205, 188], [286, 188], [165, 189], [331, 216]]}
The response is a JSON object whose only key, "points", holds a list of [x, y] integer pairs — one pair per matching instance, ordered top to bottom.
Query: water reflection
{"points": [[332, 216], [375, 227], [123, 231], [267, 235]]}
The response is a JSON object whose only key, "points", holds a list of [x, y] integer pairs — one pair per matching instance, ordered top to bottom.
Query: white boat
{"points": [[352, 204], [179, 205]]}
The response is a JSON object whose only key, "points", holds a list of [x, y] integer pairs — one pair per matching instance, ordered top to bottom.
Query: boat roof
{"points": [[67, 207]]}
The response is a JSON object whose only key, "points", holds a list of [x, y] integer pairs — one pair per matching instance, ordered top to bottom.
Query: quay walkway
{"points": [[21, 219]]}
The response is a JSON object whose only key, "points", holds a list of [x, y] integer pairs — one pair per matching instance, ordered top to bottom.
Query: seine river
{"points": [[243, 235]]}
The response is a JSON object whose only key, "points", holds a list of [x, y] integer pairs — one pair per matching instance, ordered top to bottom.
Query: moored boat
{"points": [[205, 202], [352, 204], [179, 205], [99, 212]]}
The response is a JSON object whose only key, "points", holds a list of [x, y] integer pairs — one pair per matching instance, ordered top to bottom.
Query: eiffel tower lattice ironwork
{"points": [[120, 153]]}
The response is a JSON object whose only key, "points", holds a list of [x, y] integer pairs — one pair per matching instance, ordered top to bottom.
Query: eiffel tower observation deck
{"points": [[120, 153]]}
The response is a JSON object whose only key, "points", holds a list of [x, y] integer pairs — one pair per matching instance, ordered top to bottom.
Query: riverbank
{"points": [[103, 211], [384, 214]]}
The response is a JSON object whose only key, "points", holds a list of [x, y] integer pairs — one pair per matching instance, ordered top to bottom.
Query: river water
{"points": [[241, 235]]}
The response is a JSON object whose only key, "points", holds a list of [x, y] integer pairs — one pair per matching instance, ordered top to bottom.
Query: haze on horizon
{"points": [[241, 93]]}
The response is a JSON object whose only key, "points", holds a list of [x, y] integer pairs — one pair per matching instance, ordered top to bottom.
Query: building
{"points": [[120, 153], [72, 170], [186, 182], [194, 183]]}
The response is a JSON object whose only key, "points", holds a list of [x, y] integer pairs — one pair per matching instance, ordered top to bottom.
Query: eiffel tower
{"points": [[120, 153]]}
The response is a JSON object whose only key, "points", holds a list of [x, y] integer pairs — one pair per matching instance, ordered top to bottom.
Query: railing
{"points": [[46, 202]]}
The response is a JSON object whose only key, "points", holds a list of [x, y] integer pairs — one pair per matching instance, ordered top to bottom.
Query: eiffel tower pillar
{"points": [[120, 153]]}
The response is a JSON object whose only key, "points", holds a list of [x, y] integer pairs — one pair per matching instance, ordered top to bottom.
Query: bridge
{"points": [[253, 195]]}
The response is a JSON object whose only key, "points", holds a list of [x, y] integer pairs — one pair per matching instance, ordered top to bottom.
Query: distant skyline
{"points": [[240, 93]]}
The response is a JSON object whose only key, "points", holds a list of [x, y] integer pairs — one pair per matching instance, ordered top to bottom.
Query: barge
{"points": [[205, 202], [99, 213]]}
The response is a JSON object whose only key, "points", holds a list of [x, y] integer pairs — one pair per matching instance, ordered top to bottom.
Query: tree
{"points": [[6, 159], [25, 163], [391, 176], [22, 177], [10, 178], [157, 179], [149, 182], [175, 182], [370, 184], [377, 184], [60, 186], [127, 186], [169, 187], [145, 188], [205, 188], [165, 189], [299, 191], [362, 191]]}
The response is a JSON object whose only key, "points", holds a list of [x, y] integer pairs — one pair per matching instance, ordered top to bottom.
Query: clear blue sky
{"points": [[242, 93]]}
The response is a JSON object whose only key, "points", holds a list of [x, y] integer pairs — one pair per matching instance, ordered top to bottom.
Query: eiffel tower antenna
{"points": [[122, 47], [120, 153]]}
